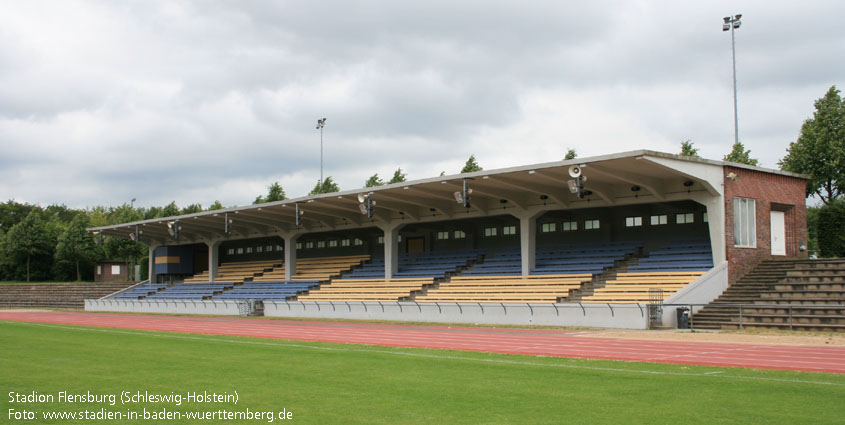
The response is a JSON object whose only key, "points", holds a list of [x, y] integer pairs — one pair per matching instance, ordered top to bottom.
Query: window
{"points": [[685, 218], [704, 218], [657, 220], [633, 221], [745, 223], [591, 224], [569, 226], [549, 227], [509, 230], [490, 232], [459, 234], [442, 235], [399, 238], [380, 240], [344, 242], [358, 242], [333, 243], [321, 244], [299, 245], [309, 245], [269, 248], [279, 248], [259, 249], [249, 250], [230, 251], [240, 251], [115, 269], [99, 270]]}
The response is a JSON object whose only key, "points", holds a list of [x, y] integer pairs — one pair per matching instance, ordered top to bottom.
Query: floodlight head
{"points": [[737, 17], [727, 19], [737, 24], [726, 27], [574, 171], [689, 183], [459, 197], [362, 198], [363, 208], [132, 236]]}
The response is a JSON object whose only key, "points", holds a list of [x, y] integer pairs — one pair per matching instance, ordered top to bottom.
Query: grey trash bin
{"points": [[683, 317]]}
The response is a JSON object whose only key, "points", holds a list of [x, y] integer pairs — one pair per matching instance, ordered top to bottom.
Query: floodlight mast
{"points": [[731, 23], [320, 124]]}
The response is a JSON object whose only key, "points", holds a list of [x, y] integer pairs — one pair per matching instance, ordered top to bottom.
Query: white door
{"points": [[778, 233]]}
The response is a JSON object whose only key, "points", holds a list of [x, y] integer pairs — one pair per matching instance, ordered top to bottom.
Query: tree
{"points": [[687, 149], [820, 149], [570, 154], [740, 155], [471, 166], [442, 173], [398, 176], [374, 181], [326, 186], [274, 193], [215, 206], [191, 209], [170, 210], [831, 226], [813, 227], [27, 239], [75, 244], [124, 249]]}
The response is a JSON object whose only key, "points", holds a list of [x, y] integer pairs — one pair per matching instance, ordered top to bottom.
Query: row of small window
{"points": [[656, 220], [659, 220], [569, 226], [457, 234], [333, 243], [299, 245], [250, 249]]}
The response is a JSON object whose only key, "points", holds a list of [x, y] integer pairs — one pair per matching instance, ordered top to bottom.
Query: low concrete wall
{"points": [[701, 291], [165, 306], [627, 316]]}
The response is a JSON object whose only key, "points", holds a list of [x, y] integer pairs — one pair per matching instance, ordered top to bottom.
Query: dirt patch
{"points": [[731, 337]]}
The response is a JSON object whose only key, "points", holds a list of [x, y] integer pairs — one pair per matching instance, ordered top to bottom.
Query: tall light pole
{"points": [[732, 23], [320, 124]]}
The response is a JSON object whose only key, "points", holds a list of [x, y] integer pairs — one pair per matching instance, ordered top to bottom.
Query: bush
{"points": [[831, 229]]}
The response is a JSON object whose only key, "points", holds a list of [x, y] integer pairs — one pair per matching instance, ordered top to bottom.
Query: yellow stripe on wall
{"points": [[168, 260]]}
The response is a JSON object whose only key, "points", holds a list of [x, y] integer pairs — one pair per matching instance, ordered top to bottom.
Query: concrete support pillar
{"points": [[716, 224], [528, 239], [391, 249], [290, 255], [213, 259], [152, 264]]}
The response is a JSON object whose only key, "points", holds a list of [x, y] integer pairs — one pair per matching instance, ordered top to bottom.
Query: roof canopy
{"points": [[635, 177]]}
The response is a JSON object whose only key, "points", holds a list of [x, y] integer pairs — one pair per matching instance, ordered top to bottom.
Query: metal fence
{"points": [[742, 308]]}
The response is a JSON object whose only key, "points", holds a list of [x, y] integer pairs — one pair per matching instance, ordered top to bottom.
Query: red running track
{"points": [[536, 342]]}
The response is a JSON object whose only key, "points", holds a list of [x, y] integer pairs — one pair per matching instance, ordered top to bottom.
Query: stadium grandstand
{"points": [[619, 236]]}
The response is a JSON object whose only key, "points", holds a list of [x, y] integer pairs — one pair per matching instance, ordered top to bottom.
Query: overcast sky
{"points": [[105, 101]]}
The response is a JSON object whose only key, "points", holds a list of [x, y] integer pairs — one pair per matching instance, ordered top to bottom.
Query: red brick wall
{"points": [[772, 192]]}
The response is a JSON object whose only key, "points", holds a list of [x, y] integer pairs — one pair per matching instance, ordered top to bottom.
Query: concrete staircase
{"points": [[600, 280], [782, 294], [58, 295]]}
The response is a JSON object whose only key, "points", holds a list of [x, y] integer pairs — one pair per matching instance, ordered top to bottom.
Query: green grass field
{"points": [[349, 384]]}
